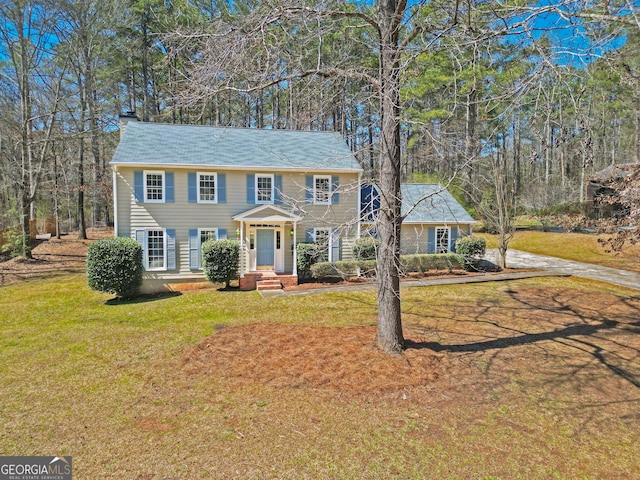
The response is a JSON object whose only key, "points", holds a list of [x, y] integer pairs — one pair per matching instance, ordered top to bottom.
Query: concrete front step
{"points": [[269, 285]]}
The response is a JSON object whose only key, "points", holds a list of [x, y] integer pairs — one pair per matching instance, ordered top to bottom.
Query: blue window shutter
{"points": [[335, 183], [192, 184], [138, 185], [169, 188], [222, 188], [251, 188], [308, 188], [278, 189], [222, 234], [309, 235], [454, 237], [140, 238], [431, 240], [335, 245], [171, 249], [194, 249]]}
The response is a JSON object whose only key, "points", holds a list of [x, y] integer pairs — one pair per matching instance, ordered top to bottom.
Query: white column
{"points": [[114, 176], [243, 247], [295, 251]]}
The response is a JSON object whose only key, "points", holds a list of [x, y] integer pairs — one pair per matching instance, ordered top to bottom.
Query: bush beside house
{"points": [[365, 248], [471, 249], [308, 254], [221, 260], [114, 265]]}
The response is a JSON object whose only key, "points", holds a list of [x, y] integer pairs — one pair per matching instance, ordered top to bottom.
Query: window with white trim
{"points": [[154, 184], [207, 188], [264, 188], [322, 189], [206, 234], [321, 236], [442, 239], [156, 250]]}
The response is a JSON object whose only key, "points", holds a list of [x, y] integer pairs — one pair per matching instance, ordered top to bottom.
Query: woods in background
{"points": [[545, 102]]}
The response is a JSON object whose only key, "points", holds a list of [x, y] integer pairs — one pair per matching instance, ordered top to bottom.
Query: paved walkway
{"points": [[520, 259], [547, 266]]}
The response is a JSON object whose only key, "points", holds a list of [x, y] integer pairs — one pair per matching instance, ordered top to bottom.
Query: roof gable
{"points": [[158, 144], [421, 203], [437, 205], [267, 213]]}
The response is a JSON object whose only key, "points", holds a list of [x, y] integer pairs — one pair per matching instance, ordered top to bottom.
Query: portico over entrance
{"points": [[267, 238]]}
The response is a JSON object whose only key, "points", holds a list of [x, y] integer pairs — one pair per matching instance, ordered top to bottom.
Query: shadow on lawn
{"points": [[141, 299], [610, 337]]}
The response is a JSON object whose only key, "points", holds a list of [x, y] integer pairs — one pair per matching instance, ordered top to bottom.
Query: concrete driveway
{"points": [[520, 259]]}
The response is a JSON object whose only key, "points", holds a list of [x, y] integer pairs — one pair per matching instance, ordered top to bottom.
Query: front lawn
{"points": [[537, 378]]}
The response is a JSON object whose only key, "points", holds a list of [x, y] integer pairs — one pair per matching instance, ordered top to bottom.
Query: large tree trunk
{"points": [[390, 338]]}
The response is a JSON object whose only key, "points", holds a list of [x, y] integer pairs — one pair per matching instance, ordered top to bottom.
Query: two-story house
{"points": [[176, 186]]}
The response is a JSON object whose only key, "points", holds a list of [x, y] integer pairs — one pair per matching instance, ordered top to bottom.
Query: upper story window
{"points": [[154, 183], [207, 188], [264, 188], [322, 189]]}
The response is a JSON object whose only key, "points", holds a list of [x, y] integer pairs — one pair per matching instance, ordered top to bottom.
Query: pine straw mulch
{"points": [[567, 340], [329, 358]]}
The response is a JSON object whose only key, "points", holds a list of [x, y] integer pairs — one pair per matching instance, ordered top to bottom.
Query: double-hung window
{"points": [[154, 184], [207, 188], [264, 188], [322, 189], [206, 234], [322, 237], [197, 238], [442, 240], [156, 248]]}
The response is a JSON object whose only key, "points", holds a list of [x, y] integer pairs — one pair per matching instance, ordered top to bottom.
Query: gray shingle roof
{"points": [[189, 145], [440, 206]]}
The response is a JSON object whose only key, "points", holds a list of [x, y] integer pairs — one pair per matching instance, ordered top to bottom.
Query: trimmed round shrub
{"points": [[471, 247], [365, 248], [309, 254], [221, 260], [114, 265]]}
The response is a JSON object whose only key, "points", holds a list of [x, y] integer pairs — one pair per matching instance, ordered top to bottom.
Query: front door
{"points": [[264, 248]]}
